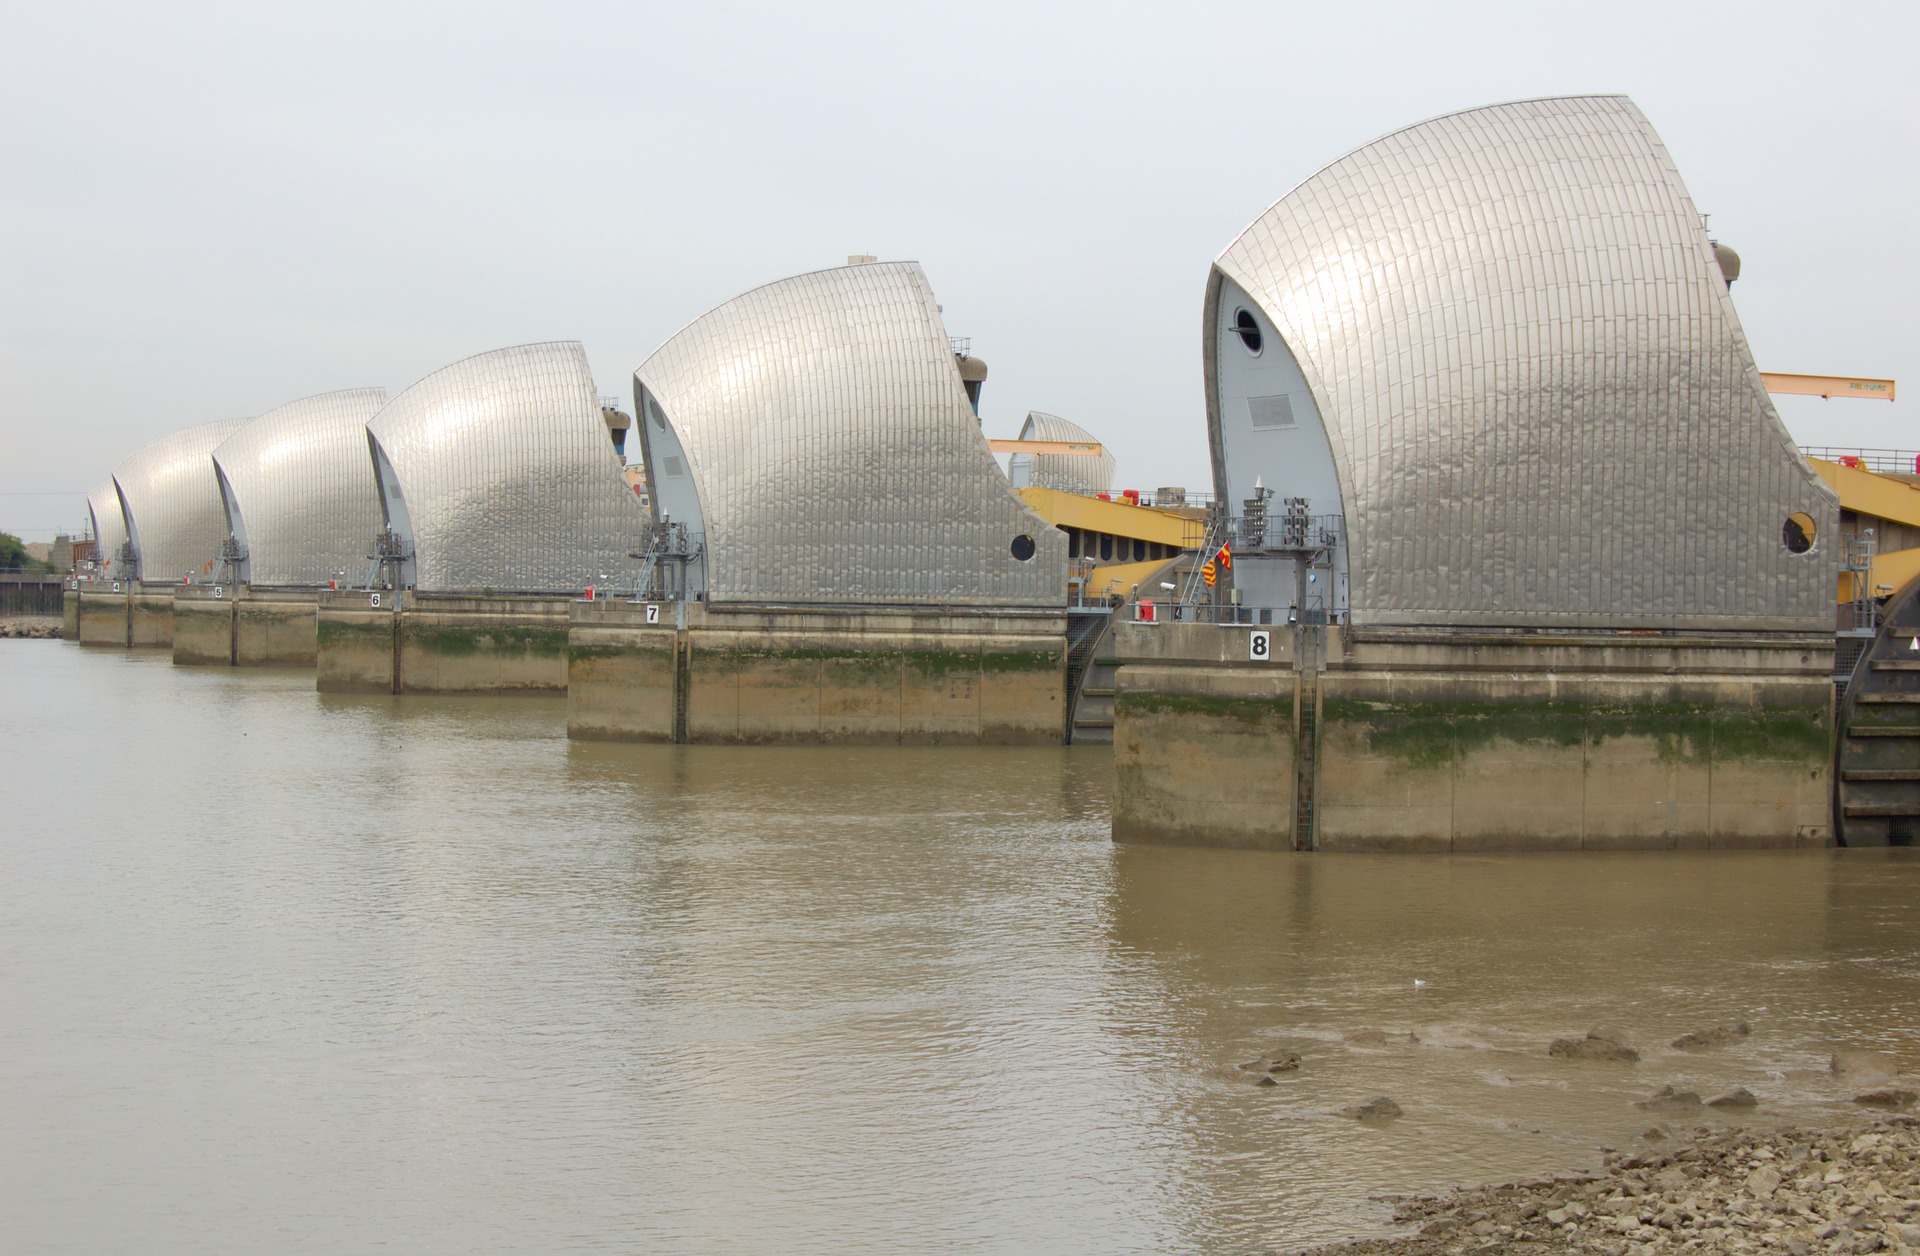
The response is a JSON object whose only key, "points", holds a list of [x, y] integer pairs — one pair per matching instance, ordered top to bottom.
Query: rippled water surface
{"points": [[282, 971]]}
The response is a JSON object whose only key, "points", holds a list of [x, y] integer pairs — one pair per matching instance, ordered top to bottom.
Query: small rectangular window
{"points": [[1270, 412], [671, 465]]}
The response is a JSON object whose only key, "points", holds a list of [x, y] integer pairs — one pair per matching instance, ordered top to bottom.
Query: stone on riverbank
{"points": [[1718, 1036], [1595, 1046], [1280, 1062], [1848, 1062], [1738, 1097], [1888, 1098], [1667, 1099], [1380, 1108]]}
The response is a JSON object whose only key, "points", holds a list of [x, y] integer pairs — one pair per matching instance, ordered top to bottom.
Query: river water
{"points": [[290, 972]]}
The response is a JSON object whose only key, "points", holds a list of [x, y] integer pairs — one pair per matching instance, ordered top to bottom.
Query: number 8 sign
{"points": [[1260, 645]]}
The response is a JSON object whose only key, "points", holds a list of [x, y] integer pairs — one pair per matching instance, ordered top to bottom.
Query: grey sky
{"points": [[212, 209]]}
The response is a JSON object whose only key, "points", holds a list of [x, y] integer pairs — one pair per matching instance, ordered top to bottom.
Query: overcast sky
{"points": [[208, 210]]}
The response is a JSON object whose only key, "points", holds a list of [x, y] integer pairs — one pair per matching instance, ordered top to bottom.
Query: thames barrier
{"points": [[1506, 545]]}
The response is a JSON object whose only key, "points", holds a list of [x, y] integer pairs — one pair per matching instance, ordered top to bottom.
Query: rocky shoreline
{"points": [[30, 628], [1849, 1188]]}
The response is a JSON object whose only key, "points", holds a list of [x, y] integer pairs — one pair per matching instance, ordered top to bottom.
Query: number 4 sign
{"points": [[1260, 645]]}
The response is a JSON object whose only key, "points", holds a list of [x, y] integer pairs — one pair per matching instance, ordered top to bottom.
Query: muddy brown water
{"points": [[284, 971]]}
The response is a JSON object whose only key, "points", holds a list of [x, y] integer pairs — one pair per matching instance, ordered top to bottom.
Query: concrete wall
{"points": [[70, 615], [784, 675], [1462, 741]]}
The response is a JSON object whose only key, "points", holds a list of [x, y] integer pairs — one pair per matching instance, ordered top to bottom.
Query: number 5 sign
{"points": [[1260, 645]]}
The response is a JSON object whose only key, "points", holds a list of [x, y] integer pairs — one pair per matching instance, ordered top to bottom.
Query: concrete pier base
{"points": [[70, 613], [123, 615], [101, 616], [150, 617], [203, 625], [239, 626], [355, 636], [437, 644], [699, 673], [1434, 740]]}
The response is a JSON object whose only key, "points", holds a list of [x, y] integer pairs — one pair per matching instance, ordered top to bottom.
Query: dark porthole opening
{"points": [[1248, 330], [1797, 533], [1022, 547]]}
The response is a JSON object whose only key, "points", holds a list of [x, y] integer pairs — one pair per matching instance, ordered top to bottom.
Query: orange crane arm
{"points": [[1827, 386], [1072, 447]]}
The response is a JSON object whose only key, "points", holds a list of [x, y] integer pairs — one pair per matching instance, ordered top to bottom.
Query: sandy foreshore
{"points": [[1851, 1187]]}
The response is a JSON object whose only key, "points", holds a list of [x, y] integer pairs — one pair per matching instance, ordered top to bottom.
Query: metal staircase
{"points": [[1089, 705], [1877, 751]]}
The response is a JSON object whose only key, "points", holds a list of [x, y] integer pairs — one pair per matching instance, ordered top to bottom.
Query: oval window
{"points": [[1248, 329], [1797, 532], [1022, 547]]}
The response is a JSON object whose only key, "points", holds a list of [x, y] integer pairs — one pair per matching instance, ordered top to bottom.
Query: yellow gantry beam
{"points": [[1827, 386], [1072, 448], [1870, 493], [1117, 518]]}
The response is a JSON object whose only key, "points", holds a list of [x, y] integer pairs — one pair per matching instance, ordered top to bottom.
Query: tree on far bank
{"points": [[14, 556]]}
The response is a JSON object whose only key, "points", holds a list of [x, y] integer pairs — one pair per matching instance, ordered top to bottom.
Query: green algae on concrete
{"points": [[461, 642], [1246, 710], [1441, 734]]}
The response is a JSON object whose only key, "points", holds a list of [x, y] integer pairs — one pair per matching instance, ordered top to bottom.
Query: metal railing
{"points": [[1896, 461]]}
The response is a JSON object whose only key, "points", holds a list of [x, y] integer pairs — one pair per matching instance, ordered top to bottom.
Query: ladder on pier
{"points": [[1305, 745], [1877, 751]]}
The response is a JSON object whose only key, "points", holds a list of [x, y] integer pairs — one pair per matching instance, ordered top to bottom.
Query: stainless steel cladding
{"points": [[1504, 335], [817, 432], [1076, 473], [502, 478], [300, 493], [172, 503], [109, 530]]}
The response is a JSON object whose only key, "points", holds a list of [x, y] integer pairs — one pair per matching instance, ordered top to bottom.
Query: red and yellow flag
{"points": [[1226, 557], [1209, 573]]}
